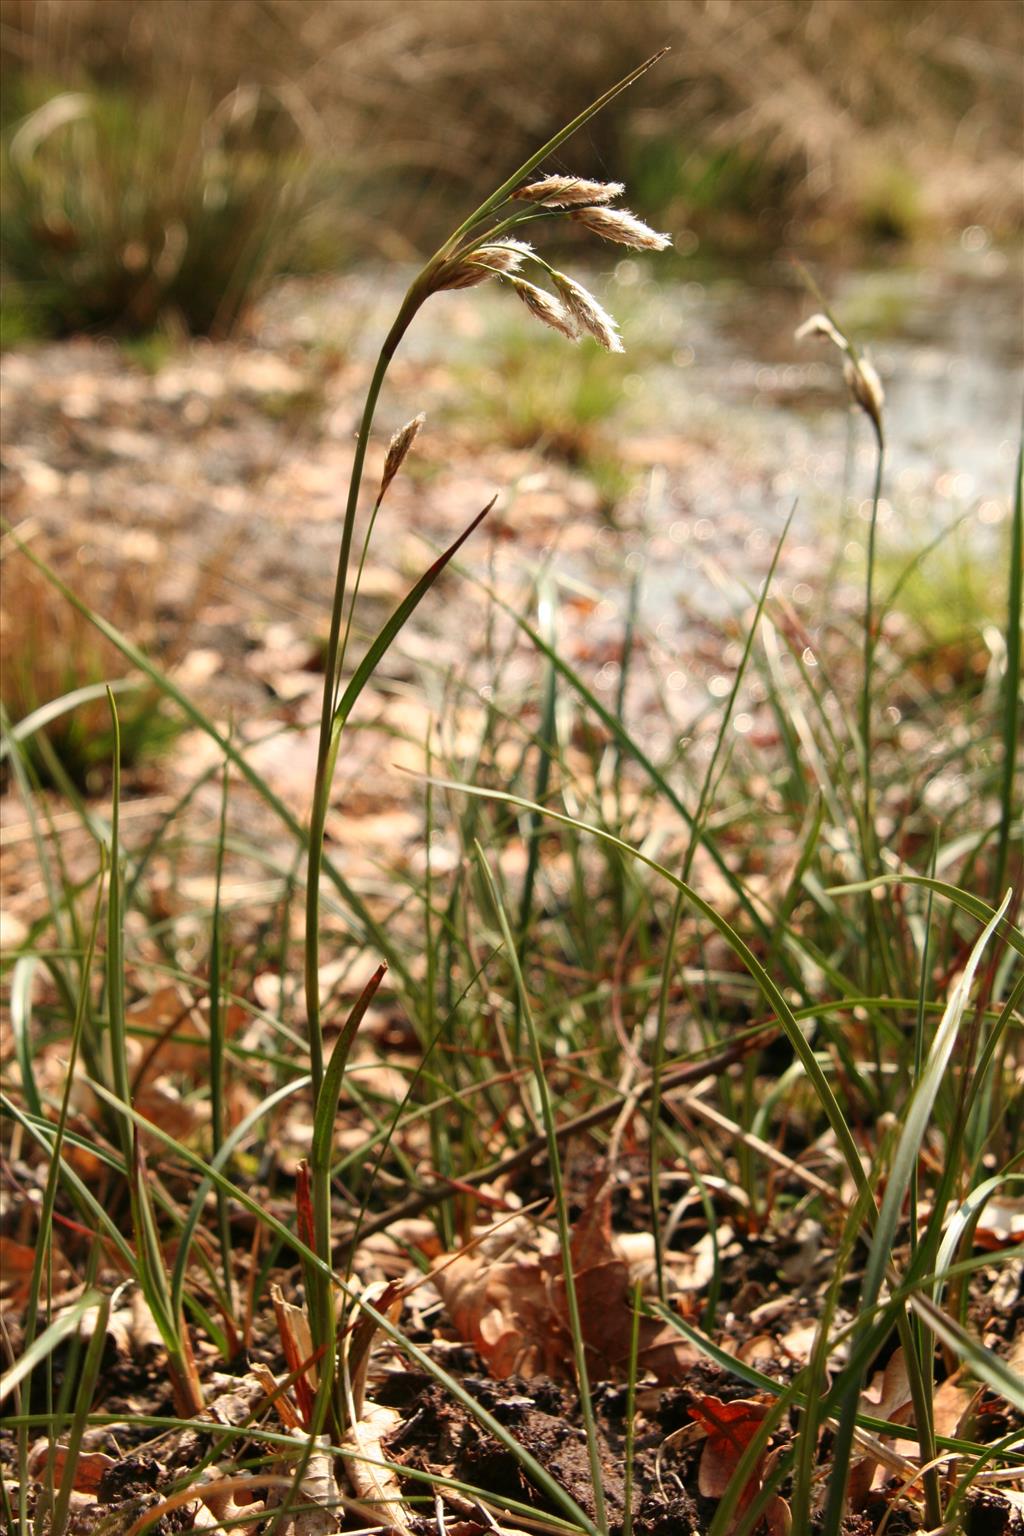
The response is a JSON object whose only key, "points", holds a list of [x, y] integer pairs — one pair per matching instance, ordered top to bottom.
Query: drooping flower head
{"points": [[569, 191], [572, 310], [859, 372]]}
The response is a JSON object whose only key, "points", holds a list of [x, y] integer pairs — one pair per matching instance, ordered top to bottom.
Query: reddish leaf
{"points": [[730, 1427]]}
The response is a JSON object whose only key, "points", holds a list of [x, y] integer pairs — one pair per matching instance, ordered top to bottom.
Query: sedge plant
{"points": [[485, 247], [959, 1067]]}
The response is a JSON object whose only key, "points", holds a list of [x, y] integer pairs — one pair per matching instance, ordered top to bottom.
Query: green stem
{"points": [[508, 187], [869, 659], [327, 750], [873, 936]]}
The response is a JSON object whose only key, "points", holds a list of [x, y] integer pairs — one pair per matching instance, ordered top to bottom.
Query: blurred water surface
{"points": [[743, 419]]}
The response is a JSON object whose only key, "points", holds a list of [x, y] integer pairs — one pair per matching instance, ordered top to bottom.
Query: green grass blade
{"points": [[507, 187], [399, 618], [45, 715], [627, 744], [1009, 806], [697, 828], [972, 905], [375, 933], [741, 949], [20, 1004], [117, 1032], [218, 1063], [547, 1110], [915, 1125], [208, 1183], [46, 1208], [963, 1222], [321, 1308], [45, 1343], [983, 1363], [84, 1394], [537, 1474]]}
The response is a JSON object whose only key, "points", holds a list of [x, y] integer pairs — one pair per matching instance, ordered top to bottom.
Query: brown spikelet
{"points": [[569, 191], [623, 227], [501, 256], [545, 307], [587, 313], [821, 325], [860, 374], [866, 388], [397, 449]]}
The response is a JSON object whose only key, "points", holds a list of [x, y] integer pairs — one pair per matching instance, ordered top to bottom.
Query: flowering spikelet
{"points": [[569, 191], [621, 226], [467, 271], [544, 307], [587, 313], [821, 325], [861, 377], [866, 388], [397, 449]]}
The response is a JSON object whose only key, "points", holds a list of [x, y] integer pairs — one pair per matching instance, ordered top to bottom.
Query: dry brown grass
{"points": [[837, 100], [48, 650]]}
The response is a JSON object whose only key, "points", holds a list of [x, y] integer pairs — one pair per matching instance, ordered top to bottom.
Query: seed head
{"points": [[569, 191], [623, 227], [467, 271], [544, 307], [587, 313], [821, 325], [861, 378], [866, 388], [397, 449]]}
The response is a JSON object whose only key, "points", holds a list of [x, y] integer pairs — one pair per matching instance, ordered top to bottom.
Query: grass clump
{"points": [[781, 112], [126, 213], [54, 670]]}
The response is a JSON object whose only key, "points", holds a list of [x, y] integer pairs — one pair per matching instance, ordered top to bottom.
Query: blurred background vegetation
{"points": [[164, 158]]}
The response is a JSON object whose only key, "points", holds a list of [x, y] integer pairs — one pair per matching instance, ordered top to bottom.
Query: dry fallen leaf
{"points": [[16, 1261], [514, 1312], [297, 1347], [888, 1397], [953, 1406], [730, 1428], [89, 1466], [375, 1485], [318, 1494]]}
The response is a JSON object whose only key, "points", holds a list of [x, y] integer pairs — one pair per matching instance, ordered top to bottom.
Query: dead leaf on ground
{"points": [[1002, 1223], [16, 1262], [514, 1312], [297, 1346], [888, 1397], [954, 1405], [730, 1429], [89, 1466], [374, 1484], [318, 1493]]}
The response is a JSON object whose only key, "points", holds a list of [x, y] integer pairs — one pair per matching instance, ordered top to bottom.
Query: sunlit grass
{"points": [[787, 966]]}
